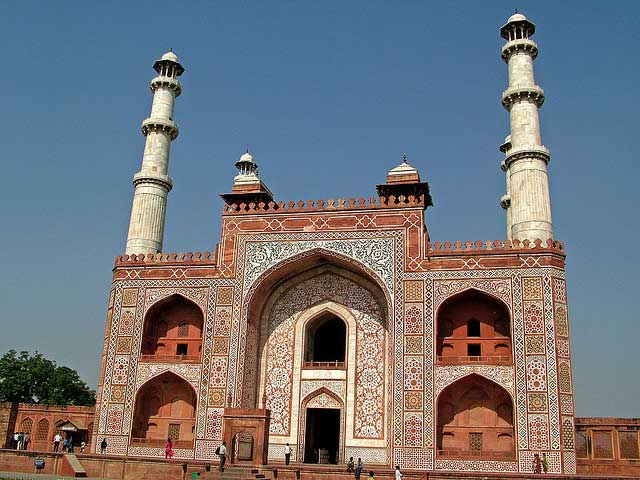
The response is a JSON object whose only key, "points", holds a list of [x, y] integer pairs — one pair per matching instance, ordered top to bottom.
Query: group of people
{"points": [[21, 440], [67, 444], [540, 465], [357, 468]]}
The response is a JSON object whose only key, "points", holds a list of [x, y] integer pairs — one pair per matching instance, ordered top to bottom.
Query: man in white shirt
{"points": [[56, 442], [287, 454], [223, 456], [398, 473]]}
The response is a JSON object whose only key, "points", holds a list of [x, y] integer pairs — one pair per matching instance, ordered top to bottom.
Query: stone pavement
{"points": [[33, 476]]}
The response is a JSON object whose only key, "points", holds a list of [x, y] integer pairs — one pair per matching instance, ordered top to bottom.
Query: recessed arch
{"points": [[296, 265], [473, 326], [173, 330], [165, 406], [475, 418]]}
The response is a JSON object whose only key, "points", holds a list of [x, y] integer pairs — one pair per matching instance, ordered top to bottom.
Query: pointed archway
{"points": [[165, 408], [475, 419]]}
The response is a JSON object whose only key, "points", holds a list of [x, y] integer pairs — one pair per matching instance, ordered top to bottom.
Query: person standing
{"points": [[27, 439], [56, 442], [65, 444], [70, 445], [83, 445], [103, 446], [168, 449], [222, 453], [287, 454], [545, 463], [536, 464], [350, 465], [359, 468], [398, 474], [371, 477]]}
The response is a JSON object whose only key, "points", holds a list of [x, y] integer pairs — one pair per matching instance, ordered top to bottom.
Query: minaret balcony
{"points": [[519, 45], [166, 82], [522, 92], [160, 125], [539, 152], [154, 178]]}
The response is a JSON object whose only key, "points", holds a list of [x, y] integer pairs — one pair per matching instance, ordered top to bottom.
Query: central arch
{"points": [[287, 313]]}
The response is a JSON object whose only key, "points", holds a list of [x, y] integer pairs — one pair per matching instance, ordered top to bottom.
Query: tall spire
{"points": [[152, 183], [527, 200]]}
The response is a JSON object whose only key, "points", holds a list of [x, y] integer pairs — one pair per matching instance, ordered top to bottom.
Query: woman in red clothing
{"points": [[168, 449]]}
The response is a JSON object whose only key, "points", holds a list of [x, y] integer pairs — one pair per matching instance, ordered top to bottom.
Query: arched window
{"points": [[173, 327], [473, 327], [326, 340], [165, 407], [483, 413], [26, 425], [42, 431]]}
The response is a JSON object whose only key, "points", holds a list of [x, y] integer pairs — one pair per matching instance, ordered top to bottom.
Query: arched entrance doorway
{"points": [[165, 408], [475, 419], [322, 427]]}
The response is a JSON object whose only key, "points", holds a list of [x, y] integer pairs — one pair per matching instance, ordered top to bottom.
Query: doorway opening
{"points": [[322, 438]]}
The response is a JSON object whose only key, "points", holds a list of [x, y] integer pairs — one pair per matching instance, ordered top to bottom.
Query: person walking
{"points": [[56, 442], [103, 446], [168, 449], [222, 453], [287, 454], [359, 468], [397, 473]]}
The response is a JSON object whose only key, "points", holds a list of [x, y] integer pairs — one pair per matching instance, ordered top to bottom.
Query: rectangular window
{"points": [[181, 349], [473, 350], [174, 431], [475, 442], [602, 444], [628, 444], [581, 445]]}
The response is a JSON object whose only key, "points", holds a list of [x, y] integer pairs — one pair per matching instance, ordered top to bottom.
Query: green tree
{"points": [[34, 379]]}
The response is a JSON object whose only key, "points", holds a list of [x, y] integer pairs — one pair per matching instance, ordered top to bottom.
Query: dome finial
{"points": [[404, 158]]}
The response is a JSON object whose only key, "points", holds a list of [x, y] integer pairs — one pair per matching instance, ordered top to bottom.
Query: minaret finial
{"points": [[404, 158]]}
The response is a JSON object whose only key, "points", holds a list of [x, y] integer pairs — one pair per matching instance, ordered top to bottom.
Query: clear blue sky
{"points": [[327, 95]]}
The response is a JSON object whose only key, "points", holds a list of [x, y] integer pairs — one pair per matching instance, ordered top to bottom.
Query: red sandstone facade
{"points": [[456, 356]]}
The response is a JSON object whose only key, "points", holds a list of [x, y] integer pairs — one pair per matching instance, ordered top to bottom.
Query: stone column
{"points": [[152, 183], [527, 201]]}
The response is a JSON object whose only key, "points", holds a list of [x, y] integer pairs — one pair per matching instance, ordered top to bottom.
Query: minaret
{"points": [[152, 183], [527, 200]]}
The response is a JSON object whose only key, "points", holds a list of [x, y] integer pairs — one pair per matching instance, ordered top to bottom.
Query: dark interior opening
{"points": [[473, 328], [326, 340], [181, 349], [473, 350], [322, 438]]}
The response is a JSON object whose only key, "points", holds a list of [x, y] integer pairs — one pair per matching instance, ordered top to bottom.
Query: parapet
{"points": [[322, 206], [495, 246], [197, 258]]}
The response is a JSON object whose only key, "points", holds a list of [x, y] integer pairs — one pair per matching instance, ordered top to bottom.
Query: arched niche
{"points": [[473, 327], [173, 330], [325, 341], [165, 407], [475, 419]]}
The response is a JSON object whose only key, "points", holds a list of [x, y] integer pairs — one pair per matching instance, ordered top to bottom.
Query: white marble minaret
{"points": [[152, 182], [527, 199]]}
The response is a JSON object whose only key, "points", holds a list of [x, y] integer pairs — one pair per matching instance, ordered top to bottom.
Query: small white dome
{"points": [[516, 17], [170, 56], [247, 157]]}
